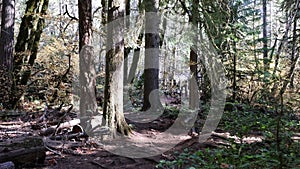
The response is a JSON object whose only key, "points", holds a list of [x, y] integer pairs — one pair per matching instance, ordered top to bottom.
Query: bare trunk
{"points": [[7, 34], [265, 41], [6, 50], [87, 77], [151, 84], [193, 87], [113, 92]]}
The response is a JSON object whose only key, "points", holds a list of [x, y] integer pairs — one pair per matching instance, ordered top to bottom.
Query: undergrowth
{"points": [[274, 151]]}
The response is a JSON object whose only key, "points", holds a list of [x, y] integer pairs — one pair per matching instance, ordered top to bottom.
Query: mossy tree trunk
{"points": [[26, 49], [6, 50], [114, 70]]}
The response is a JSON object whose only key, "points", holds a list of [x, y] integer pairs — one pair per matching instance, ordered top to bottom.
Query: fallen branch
{"points": [[50, 130]]}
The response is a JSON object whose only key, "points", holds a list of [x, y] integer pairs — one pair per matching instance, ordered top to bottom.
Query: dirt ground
{"points": [[88, 154], [98, 157]]}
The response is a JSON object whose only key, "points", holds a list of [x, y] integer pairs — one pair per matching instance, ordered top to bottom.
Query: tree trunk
{"points": [[85, 22], [32, 25], [7, 34], [265, 41], [6, 48], [126, 49], [136, 53], [135, 61], [151, 69], [87, 77], [193, 87], [113, 91]]}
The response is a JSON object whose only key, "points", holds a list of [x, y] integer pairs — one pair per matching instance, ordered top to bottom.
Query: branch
{"points": [[96, 10], [186, 10], [68, 14]]}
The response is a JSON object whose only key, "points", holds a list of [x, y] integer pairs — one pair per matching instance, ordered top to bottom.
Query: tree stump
{"points": [[27, 151]]}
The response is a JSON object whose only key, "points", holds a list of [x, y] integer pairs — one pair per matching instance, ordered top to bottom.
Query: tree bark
{"points": [[7, 34], [265, 40], [6, 48], [26, 48], [126, 49], [135, 61], [151, 69], [87, 77], [193, 87], [113, 91]]}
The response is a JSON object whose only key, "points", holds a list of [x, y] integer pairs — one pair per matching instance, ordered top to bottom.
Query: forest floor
{"points": [[79, 152], [87, 154], [100, 158]]}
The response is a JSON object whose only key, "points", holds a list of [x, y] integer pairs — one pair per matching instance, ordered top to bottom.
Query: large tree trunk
{"points": [[32, 25], [7, 34], [6, 50], [87, 76], [151, 84], [113, 91]]}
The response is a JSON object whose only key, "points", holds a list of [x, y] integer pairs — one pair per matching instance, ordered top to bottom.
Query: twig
{"points": [[72, 17], [53, 151], [96, 163]]}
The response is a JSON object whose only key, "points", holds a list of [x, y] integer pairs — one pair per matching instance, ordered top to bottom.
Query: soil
{"points": [[88, 154], [100, 158]]}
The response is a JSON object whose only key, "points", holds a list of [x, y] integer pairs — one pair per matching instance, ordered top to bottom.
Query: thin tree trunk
{"points": [[265, 40], [284, 41], [126, 49], [136, 53], [294, 60], [135, 61], [193, 87]]}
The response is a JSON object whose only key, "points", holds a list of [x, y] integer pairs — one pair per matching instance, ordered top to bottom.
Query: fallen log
{"points": [[52, 129], [25, 151]]}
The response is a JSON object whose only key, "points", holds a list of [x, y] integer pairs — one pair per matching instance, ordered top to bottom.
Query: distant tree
{"points": [[265, 39], [152, 42], [126, 49], [6, 50], [136, 52], [114, 71]]}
